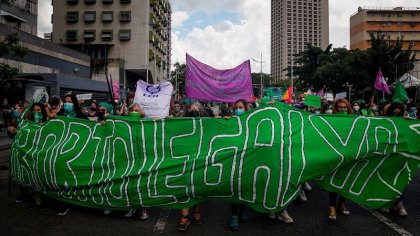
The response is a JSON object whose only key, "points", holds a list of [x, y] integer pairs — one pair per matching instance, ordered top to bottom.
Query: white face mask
{"points": [[356, 108], [329, 111]]}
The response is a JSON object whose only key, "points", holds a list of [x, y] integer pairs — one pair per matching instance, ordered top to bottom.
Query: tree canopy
{"points": [[333, 69]]}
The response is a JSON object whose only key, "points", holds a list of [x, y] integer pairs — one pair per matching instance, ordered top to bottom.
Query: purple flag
{"points": [[203, 82], [380, 83], [321, 93]]}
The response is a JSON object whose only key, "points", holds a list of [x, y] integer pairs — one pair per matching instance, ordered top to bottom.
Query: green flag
{"points": [[399, 95], [313, 101], [259, 159]]}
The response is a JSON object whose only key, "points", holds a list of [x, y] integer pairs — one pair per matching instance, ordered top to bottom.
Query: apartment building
{"points": [[21, 14], [394, 23], [293, 25], [128, 40]]}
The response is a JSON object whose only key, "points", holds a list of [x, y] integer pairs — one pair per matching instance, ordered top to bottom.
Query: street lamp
{"points": [[261, 73]]}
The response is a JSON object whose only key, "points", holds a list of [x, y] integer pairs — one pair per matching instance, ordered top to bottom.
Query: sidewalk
{"points": [[5, 141]]}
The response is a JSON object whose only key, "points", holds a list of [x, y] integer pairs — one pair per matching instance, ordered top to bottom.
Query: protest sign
{"points": [[154, 99]]}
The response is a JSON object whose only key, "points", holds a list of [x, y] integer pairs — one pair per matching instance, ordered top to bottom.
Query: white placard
{"points": [[86, 96], [154, 99]]}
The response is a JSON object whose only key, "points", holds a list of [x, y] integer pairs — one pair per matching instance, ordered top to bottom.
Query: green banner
{"points": [[313, 101], [259, 159]]}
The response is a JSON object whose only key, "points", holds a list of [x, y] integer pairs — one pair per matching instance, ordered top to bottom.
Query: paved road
{"points": [[310, 218]]}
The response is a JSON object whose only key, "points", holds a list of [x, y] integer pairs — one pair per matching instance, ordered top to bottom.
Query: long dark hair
{"points": [[73, 98], [243, 102], [392, 107], [43, 111]]}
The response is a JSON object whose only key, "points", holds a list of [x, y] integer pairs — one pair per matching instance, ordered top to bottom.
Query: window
{"points": [[72, 1], [90, 1], [108, 1], [125, 1], [72, 16], [90, 16], [107, 16], [125, 16], [71, 35], [89, 35], [106, 35], [125, 35]]}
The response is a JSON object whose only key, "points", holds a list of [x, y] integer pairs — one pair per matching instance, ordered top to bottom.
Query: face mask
{"points": [[68, 107], [93, 108], [356, 108], [177, 109], [413, 110], [329, 111], [239, 112], [317, 112], [342, 112], [16, 113], [133, 114], [194, 114], [37, 117]]}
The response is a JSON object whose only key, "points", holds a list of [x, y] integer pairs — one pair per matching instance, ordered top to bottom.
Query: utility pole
{"points": [[261, 74]]}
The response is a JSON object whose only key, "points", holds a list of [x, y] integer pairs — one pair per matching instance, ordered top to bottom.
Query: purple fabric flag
{"points": [[203, 82], [380, 83], [321, 93]]}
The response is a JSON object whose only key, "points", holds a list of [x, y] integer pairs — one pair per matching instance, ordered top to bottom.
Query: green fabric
{"points": [[399, 95], [313, 101], [106, 105], [259, 159]]}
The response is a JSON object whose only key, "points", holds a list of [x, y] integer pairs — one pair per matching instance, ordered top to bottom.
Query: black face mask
{"points": [[93, 108], [193, 114]]}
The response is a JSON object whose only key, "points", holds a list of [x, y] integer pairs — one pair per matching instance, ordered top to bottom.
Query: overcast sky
{"points": [[224, 33]]}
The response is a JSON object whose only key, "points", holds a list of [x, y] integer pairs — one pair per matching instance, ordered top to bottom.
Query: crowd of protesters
{"points": [[98, 111]]}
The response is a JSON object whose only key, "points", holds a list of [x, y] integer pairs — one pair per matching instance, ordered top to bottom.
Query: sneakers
{"points": [[307, 186], [302, 196], [400, 209], [343, 210], [63, 211], [107, 212], [129, 214], [143, 214], [284, 216], [332, 217], [197, 218], [183, 223], [234, 223]]}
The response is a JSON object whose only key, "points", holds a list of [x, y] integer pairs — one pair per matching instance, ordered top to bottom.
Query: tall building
{"points": [[21, 14], [398, 22], [293, 25], [129, 40]]}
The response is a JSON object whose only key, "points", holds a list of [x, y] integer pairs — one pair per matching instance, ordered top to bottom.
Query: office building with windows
{"points": [[21, 15], [394, 23], [294, 24], [126, 39]]}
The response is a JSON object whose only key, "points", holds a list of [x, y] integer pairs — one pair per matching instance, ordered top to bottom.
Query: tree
{"points": [[6, 2], [9, 47], [316, 68], [178, 77]]}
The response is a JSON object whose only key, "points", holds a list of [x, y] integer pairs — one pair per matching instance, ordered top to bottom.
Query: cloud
{"points": [[44, 17], [178, 18], [225, 44]]}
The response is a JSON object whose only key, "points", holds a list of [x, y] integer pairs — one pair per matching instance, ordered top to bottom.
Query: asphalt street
{"points": [[310, 218]]}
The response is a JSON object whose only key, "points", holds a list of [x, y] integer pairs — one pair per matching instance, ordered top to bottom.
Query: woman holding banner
{"points": [[341, 107]]}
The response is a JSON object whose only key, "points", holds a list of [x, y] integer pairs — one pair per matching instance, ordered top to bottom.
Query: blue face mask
{"points": [[68, 107], [239, 112], [15, 113]]}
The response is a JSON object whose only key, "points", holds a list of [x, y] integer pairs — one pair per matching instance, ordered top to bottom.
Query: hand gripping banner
{"points": [[203, 82], [259, 159]]}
